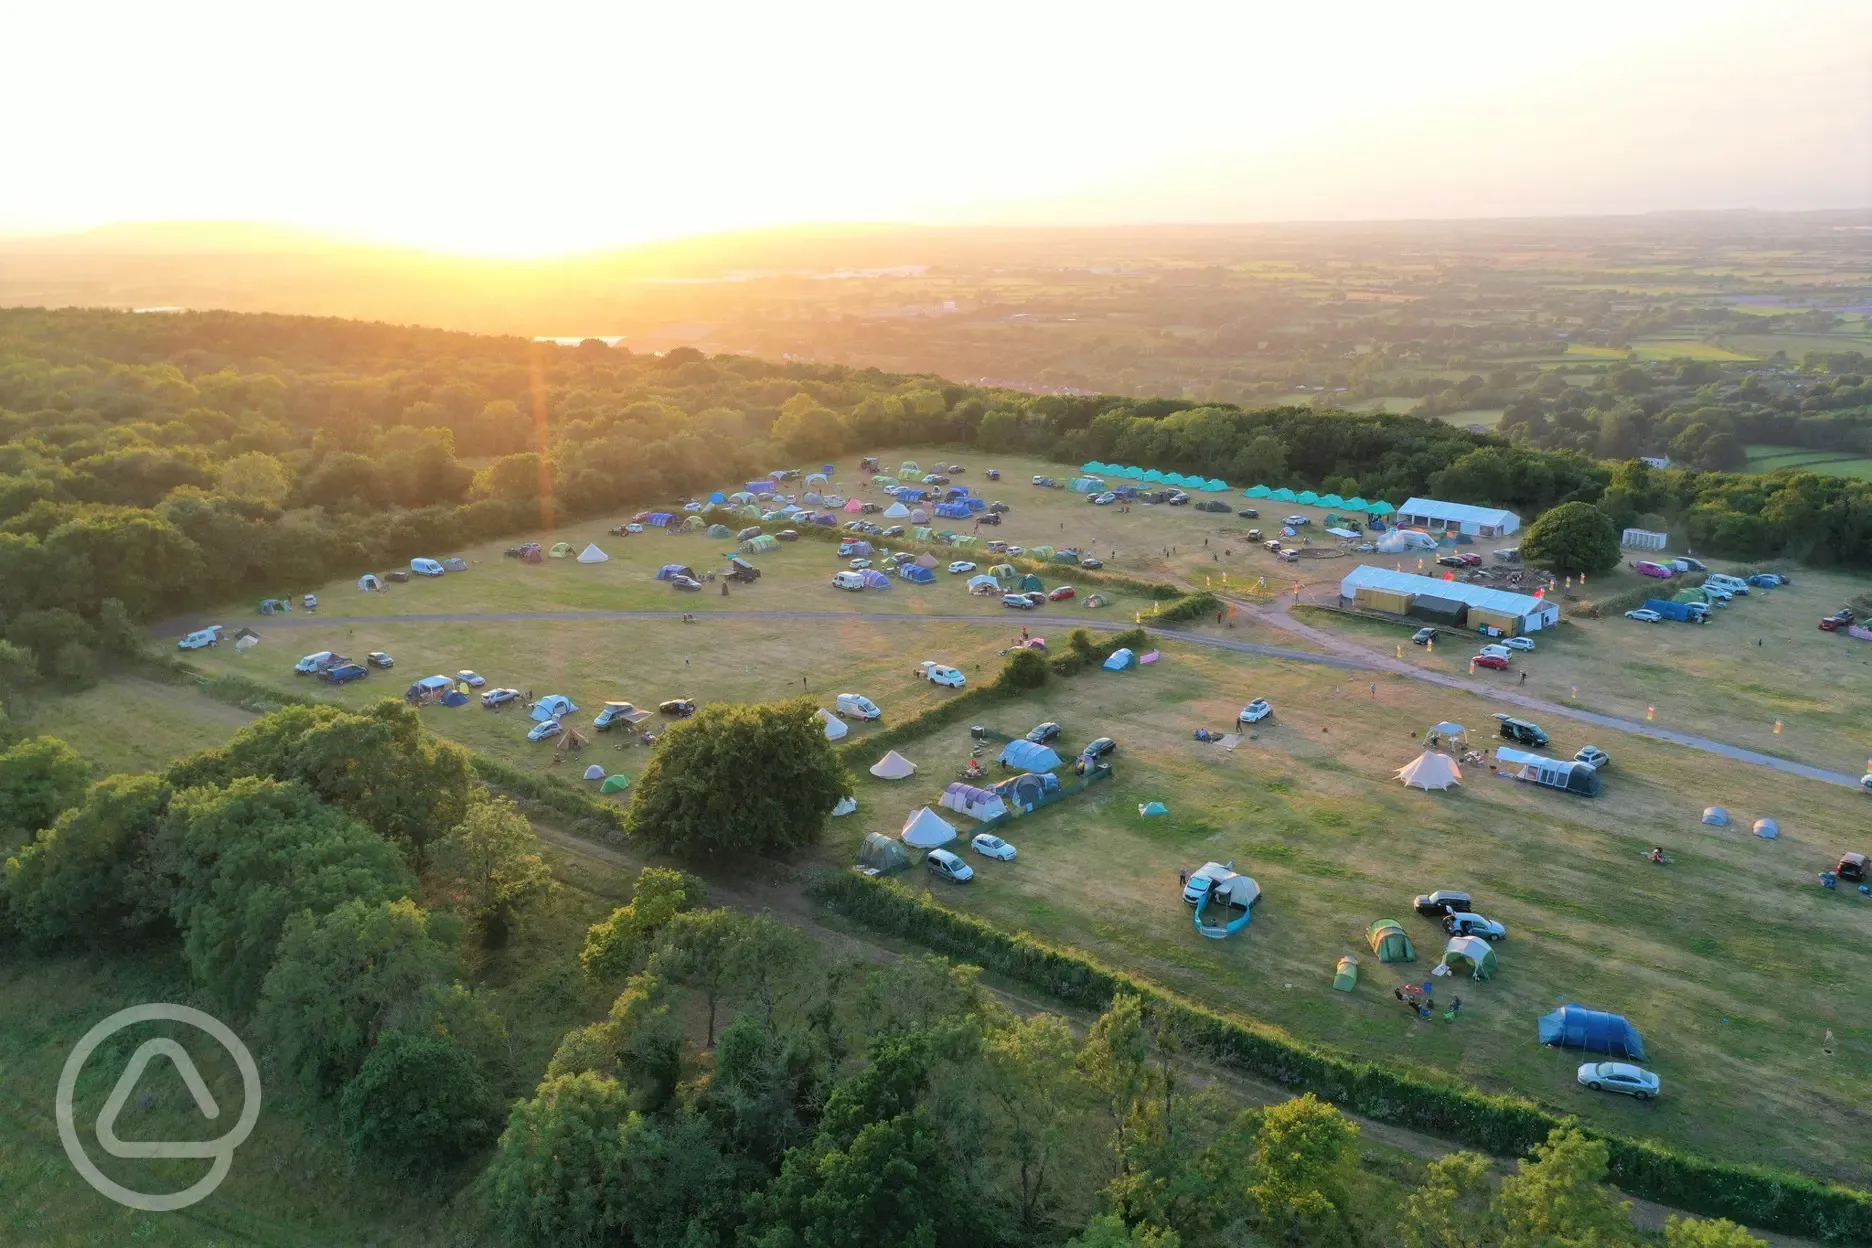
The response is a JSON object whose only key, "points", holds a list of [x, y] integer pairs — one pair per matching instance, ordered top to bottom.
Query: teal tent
{"points": [[1092, 467], [1130, 474], [1152, 475], [1175, 478], [1215, 485], [1256, 491], [1282, 495], [1308, 497], [1331, 500], [1355, 504], [1381, 508], [720, 530], [1030, 583], [1121, 660], [615, 784], [1150, 810]]}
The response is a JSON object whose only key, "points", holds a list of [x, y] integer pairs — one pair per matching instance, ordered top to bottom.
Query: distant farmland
{"points": [[1826, 463]]}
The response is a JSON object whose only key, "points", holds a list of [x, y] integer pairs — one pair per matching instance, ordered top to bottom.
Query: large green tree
{"points": [[1571, 539], [39, 778], [739, 779], [489, 868], [83, 880], [619, 944], [418, 1105], [1304, 1159], [555, 1179], [1559, 1196], [1451, 1209], [1682, 1232]]}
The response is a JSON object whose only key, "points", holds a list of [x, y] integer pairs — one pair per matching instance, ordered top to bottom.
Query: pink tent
{"points": [[854, 506]]}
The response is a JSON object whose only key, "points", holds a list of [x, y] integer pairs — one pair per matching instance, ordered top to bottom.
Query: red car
{"points": [[1470, 559], [1062, 593], [1490, 660]]}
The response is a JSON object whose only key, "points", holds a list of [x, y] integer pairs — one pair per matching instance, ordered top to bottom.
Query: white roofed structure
{"points": [[1438, 516], [1533, 613]]}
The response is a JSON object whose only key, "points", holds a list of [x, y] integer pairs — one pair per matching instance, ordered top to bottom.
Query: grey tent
{"points": [[1716, 816], [1767, 829], [882, 854]]}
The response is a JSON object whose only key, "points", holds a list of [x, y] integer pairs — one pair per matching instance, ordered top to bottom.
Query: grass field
{"points": [[1683, 349], [1826, 463], [132, 725]]}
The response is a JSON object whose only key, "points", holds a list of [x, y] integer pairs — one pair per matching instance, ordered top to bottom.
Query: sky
{"points": [[558, 127]]}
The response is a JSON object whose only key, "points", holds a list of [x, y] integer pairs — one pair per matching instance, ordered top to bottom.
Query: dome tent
{"points": [[1214, 485], [1256, 491], [1282, 495], [717, 498], [1306, 498], [1355, 503], [918, 516], [720, 531], [560, 550], [369, 583], [1121, 659], [893, 766], [594, 772], [615, 784], [1152, 810], [1716, 816], [925, 829], [1767, 829], [881, 854], [1390, 942], [1471, 953]]}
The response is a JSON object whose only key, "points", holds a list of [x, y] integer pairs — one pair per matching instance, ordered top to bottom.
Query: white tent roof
{"points": [[896, 511], [1458, 513], [591, 554], [369, 582], [1520, 605], [835, 728], [893, 766], [1430, 770], [846, 806], [925, 829], [1472, 947]]}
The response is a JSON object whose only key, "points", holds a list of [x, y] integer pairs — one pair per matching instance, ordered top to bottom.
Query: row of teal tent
{"points": [[1214, 485], [1307, 498]]}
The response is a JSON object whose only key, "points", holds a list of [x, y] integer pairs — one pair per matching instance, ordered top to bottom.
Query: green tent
{"points": [[1256, 491], [1282, 495], [1308, 497], [1331, 500], [1381, 508], [720, 530], [923, 533], [967, 539], [761, 544], [1039, 552], [1065, 556], [1003, 571], [1030, 582], [615, 784], [883, 854], [1388, 940], [1470, 953], [1345, 979]]}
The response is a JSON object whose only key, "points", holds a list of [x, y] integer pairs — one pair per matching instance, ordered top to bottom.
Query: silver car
{"points": [[1634, 1081]]}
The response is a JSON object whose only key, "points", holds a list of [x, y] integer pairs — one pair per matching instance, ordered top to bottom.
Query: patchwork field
{"points": [[1826, 463]]}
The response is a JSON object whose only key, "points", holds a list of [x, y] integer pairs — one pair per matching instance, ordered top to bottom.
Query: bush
{"points": [[1189, 607], [418, 1104], [1501, 1125]]}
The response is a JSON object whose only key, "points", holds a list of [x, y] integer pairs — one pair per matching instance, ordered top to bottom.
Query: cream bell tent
{"points": [[591, 554], [835, 728], [893, 766], [1430, 770], [925, 829]]}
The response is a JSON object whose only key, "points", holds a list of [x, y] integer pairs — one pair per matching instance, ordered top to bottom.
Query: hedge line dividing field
{"points": [[1501, 1125]]}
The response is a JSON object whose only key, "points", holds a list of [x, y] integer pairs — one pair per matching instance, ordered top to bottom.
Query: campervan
{"points": [[425, 567], [848, 580], [201, 638], [314, 663], [857, 706]]}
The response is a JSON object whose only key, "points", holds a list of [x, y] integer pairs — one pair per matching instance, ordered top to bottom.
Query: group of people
{"points": [[1418, 999]]}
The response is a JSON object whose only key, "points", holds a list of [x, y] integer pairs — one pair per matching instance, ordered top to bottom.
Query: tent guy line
{"points": [[1371, 663]]}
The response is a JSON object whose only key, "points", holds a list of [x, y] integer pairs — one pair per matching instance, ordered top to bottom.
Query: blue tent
{"points": [[1215, 485], [762, 486], [718, 498], [952, 511], [659, 519], [670, 571], [911, 572], [1120, 660], [1029, 756], [1151, 810], [1576, 1027]]}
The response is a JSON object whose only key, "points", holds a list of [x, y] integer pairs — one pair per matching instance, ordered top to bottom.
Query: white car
{"points": [[633, 527], [859, 565], [960, 566], [1644, 616], [201, 638], [1519, 643], [1499, 651], [941, 674], [470, 679], [857, 706], [1255, 712], [549, 728], [1593, 756], [989, 846], [945, 865], [1468, 923], [1624, 1077]]}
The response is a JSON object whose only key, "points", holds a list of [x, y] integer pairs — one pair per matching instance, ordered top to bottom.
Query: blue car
{"points": [[344, 675]]}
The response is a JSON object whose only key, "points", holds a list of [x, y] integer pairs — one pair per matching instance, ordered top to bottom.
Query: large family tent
{"points": [[909, 469], [953, 511], [659, 519], [719, 531], [761, 545], [860, 548], [560, 550], [591, 554], [670, 571], [1003, 571], [918, 575], [874, 579], [369, 583], [983, 585], [1121, 659], [553, 706], [835, 728], [1029, 756], [893, 766], [1430, 770], [1571, 776], [615, 783], [1027, 790], [966, 799], [845, 806], [1716, 816], [925, 829], [883, 855], [1227, 906], [1390, 942], [1470, 953], [1345, 976], [1576, 1027]]}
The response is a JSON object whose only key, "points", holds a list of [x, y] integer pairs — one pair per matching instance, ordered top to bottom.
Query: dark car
{"points": [[1178, 499], [997, 507], [1249, 513], [989, 517], [895, 530], [788, 535], [1469, 559], [1450, 561], [1090, 562], [401, 578], [1424, 636], [378, 658], [344, 674], [681, 708], [1521, 731], [1043, 733], [1098, 749], [1444, 901]]}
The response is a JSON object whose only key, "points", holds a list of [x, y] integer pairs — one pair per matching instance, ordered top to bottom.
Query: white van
{"points": [[425, 567], [848, 580], [1722, 580], [201, 638], [313, 663], [857, 706]]}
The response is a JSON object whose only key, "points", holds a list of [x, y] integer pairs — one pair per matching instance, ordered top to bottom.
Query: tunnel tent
{"points": [[1256, 491], [660, 519], [720, 531], [923, 533], [761, 545], [1003, 571], [916, 575], [874, 579], [369, 583], [1029, 756], [615, 783], [977, 803], [1716, 816], [1767, 829], [882, 854], [1390, 942], [1470, 953], [1345, 976], [1577, 1027]]}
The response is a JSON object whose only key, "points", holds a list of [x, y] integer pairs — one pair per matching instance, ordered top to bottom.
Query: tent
{"points": [[1093, 466], [909, 469], [1153, 475], [817, 478], [1214, 485], [1256, 491], [1282, 495], [741, 496], [1307, 498], [717, 499], [1331, 500], [1355, 503], [854, 506], [1381, 508], [896, 511], [953, 511], [919, 516], [659, 519], [693, 524], [719, 531], [923, 533], [760, 545], [861, 548], [560, 550], [1040, 552], [591, 554], [1065, 556], [926, 560], [454, 563], [670, 571], [1003, 571], [916, 574], [874, 579], [369, 583], [1031, 583], [983, 585], [245, 643], [1121, 659], [455, 697], [553, 706], [835, 728], [1029, 756], [893, 766], [1430, 770], [594, 772], [615, 784], [1027, 790], [966, 799], [846, 805], [1152, 810], [1716, 816], [925, 829], [1767, 829], [881, 854], [1226, 905], [1390, 942], [1471, 953], [1345, 978], [1576, 1027]]}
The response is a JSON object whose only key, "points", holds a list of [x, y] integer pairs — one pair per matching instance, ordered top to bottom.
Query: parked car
{"points": [[1178, 499], [1102, 500], [998, 507], [1249, 513], [989, 517], [1296, 522], [895, 530], [788, 535], [1254, 535], [1273, 544], [1017, 550], [1287, 556], [902, 557], [1469, 559], [1450, 561], [859, 564], [1091, 564], [960, 566], [849, 581], [686, 584], [1062, 594], [1035, 597], [1017, 601], [1644, 616], [1424, 636], [201, 638], [1518, 643], [1497, 650], [378, 658], [1494, 661], [316, 662], [344, 673], [941, 674], [471, 679], [499, 697], [678, 708], [1255, 712], [616, 713], [547, 728], [1521, 731], [1040, 734], [1097, 749], [1593, 756], [990, 846], [946, 866], [1851, 868], [1197, 886], [1443, 902], [1468, 923], [1633, 1081]]}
